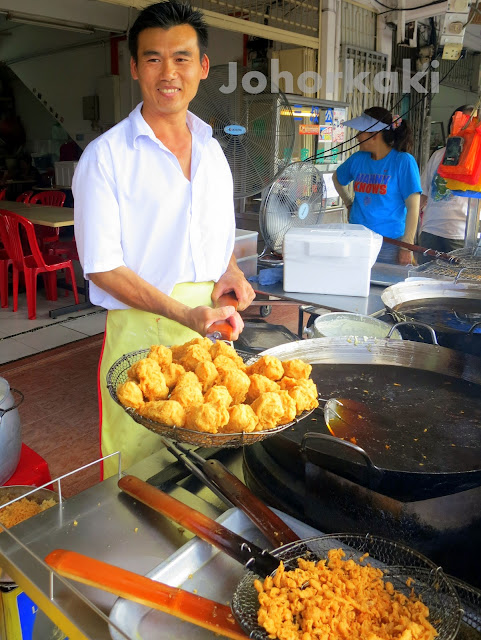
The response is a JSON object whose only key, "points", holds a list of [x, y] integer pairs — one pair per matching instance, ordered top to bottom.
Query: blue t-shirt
{"points": [[381, 187]]}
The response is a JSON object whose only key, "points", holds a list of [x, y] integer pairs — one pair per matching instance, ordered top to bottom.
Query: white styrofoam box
{"points": [[64, 172], [245, 243], [334, 259], [248, 265]]}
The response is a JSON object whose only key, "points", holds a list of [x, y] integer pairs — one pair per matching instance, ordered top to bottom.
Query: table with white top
{"points": [[50, 217]]}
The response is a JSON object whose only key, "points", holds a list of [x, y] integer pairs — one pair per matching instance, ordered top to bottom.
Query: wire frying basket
{"points": [[468, 268], [117, 374], [398, 563]]}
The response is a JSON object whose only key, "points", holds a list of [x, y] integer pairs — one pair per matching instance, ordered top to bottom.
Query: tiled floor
{"points": [[21, 337]]}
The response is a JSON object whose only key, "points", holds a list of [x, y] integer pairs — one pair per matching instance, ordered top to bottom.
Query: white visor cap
{"points": [[366, 123]]}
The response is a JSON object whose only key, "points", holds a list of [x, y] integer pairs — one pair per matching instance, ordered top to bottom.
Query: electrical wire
{"points": [[423, 6], [475, 10], [401, 116]]}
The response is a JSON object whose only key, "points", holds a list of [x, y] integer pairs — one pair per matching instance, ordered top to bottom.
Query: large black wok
{"points": [[452, 309], [428, 442]]}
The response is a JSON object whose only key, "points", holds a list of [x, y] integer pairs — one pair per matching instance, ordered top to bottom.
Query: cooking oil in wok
{"points": [[457, 314]]}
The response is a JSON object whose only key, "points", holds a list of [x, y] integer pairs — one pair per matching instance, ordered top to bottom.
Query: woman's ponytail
{"points": [[398, 133]]}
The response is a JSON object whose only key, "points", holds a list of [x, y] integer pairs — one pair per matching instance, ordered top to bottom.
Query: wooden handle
{"points": [[417, 249], [274, 529], [209, 530], [179, 603]]}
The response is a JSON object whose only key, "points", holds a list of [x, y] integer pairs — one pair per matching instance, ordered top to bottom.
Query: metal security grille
{"points": [[297, 16], [358, 26], [458, 74], [359, 89]]}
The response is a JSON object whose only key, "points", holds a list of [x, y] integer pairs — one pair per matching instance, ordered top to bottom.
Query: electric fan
{"points": [[254, 127], [296, 199]]}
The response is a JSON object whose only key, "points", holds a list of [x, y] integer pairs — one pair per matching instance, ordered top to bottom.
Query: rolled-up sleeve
{"points": [[96, 211]]}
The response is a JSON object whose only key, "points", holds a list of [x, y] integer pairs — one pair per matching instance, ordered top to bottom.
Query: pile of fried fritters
{"points": [[206, 386]]}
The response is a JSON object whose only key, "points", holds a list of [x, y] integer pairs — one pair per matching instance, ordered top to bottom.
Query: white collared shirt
{"points": [[134, 207]]}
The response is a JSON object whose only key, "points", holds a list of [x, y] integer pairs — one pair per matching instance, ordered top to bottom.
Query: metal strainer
{"points": [[117, 374], [398, 563]]}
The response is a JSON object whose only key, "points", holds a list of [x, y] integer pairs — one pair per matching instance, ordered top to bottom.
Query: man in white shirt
{"points": [[154, 215], [443, 217]]}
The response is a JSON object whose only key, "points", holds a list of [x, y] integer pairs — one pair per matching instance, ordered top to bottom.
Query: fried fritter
{"points": [[221, 348], [179, 350], [162, 355], [193, 355], [223, 363], [268, 366], [143, 369], [296, 369], [172, 374], [207, 374], [188, 378], [237, 383], [287, 383], [260, 384], [154, 386], [304, 393], [130, 394], [219, 394], [188, 396], [290, 407], [269, 409], [166, 412], [209, 417], [241, 418]]}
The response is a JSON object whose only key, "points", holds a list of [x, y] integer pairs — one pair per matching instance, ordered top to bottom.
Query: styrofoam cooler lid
{"points": [[337, 239]]}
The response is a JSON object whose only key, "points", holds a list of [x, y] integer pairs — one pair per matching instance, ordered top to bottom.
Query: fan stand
{"points": [[270, 258]]}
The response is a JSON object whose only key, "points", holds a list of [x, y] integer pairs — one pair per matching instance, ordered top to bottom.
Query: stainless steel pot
{"points": [[10, 430]]}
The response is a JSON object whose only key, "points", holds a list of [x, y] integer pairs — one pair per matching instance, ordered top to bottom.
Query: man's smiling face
{"points": [[168, 68]]}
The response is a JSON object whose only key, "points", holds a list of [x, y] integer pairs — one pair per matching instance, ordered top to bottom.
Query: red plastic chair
{"points": [[3, 194], [25, 196], [50, 199], [5, 262], [33, 263]]}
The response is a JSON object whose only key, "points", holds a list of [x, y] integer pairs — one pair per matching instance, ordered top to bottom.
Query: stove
{"points": [[446, 528]]}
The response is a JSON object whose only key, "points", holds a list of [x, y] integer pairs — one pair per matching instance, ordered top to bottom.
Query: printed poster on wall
{"points": [[338, 130], [325, 133]]}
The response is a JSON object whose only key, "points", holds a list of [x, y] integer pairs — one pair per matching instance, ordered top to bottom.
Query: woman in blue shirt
{"points": [[387, 184]]}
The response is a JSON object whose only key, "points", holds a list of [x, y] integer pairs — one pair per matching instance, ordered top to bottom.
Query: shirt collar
{"points": [[200, 129]]}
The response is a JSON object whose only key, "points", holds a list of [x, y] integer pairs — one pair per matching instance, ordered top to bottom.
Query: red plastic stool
{"points": [[32, 469]]}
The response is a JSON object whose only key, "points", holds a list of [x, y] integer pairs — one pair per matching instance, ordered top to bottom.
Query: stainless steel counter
{"points": [[382, 276], [104, 523]]}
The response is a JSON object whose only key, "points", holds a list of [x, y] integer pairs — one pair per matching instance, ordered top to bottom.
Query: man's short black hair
{"points": [[166, 15]]}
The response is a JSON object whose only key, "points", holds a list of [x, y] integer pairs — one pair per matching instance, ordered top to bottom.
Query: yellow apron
{"points": [[130, 330]]}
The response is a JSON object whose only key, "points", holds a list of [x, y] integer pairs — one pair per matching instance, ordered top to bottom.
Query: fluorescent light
{"points": [[57, 24]]}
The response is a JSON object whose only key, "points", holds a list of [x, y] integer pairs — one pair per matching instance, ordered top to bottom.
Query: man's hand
{"points": [[234, 281], [203, 319]]}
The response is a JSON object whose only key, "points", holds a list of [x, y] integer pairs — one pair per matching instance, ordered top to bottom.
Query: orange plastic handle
{"points": [[223, 328], [182, 604]]}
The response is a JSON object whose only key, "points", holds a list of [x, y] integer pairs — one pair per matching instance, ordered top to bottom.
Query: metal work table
{"points": [[103, 523]]}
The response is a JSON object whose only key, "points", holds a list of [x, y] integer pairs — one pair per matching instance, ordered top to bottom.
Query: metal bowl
{"points": [[332, 325], [15, 492]]}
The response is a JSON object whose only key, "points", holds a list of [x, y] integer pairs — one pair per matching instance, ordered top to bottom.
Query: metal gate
{"points": [[359, 70]]}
